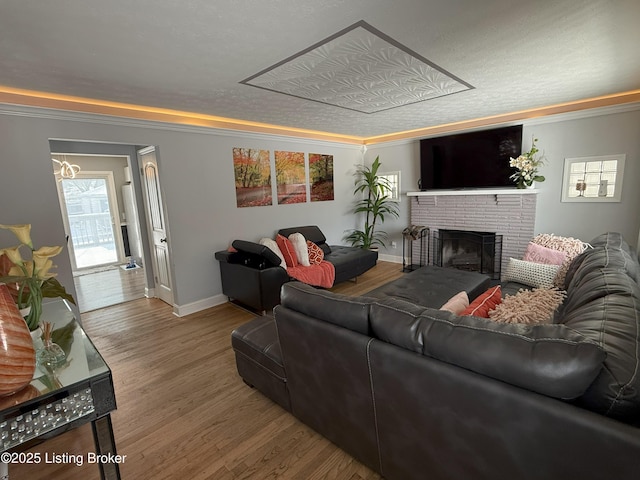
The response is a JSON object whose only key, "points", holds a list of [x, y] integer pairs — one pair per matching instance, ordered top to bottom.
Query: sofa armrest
{"points": [[249, 254], [225, 256], [253, 287]]}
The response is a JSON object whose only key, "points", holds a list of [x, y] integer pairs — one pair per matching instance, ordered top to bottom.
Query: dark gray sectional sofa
{"points": [[252, 275], [414, 392]]}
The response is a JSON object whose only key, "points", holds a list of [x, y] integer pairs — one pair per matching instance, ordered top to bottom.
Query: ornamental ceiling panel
{"points": [[361, 69]]}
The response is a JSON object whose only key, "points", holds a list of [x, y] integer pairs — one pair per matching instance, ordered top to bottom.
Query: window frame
{"points": [[396, 173], [568, 186]]}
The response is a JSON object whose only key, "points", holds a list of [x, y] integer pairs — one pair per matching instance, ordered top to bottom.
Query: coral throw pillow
{"points": [[288, 252], [316, 255], [486, 302]]}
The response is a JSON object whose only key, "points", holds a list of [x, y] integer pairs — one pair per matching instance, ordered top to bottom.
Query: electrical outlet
{"points": [[394, 245]]}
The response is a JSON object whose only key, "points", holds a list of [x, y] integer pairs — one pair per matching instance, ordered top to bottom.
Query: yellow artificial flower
{"points": [[22, 232], [47, 252], [13, 253], [42, 261], [42, 266], [16, 271], [33, 277]]}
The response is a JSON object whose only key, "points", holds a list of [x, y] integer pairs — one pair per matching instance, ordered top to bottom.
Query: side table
{"points": [[410, 235], [60, 399]]}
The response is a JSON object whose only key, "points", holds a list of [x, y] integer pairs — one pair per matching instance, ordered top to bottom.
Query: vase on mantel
{"points": [[17, 355]]}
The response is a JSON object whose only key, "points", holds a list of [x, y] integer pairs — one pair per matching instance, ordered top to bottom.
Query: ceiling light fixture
{"points": [[65, 169]]}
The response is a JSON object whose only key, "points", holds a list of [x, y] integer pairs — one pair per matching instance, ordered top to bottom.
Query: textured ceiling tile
{"points": [[359, 69]]}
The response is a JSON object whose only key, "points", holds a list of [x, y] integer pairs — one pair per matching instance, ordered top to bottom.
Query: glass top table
{"points": [[58, 399]]}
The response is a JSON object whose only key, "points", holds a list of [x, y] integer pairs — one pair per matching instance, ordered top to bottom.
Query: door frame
{"points": [[113, 210]]}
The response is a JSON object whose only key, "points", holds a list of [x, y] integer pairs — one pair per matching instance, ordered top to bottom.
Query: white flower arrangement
{"points": [[527, 165]]}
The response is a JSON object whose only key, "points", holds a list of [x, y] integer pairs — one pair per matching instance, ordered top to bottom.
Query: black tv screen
{"points": [[470, 160]]}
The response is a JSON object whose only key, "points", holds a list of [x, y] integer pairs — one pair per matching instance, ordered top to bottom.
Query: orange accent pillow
{"points": [[288, 252], [316, 255], [486, 302]]}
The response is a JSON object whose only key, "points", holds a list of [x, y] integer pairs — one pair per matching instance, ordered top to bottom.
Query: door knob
{"points": [[163, 240]]}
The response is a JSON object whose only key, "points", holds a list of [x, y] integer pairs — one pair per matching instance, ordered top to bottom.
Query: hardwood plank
{"points": [[109, 287], [183, 411]]}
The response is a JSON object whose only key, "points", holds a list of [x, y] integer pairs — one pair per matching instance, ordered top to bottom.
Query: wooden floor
{"points": [[109, 287], [184, 413]]}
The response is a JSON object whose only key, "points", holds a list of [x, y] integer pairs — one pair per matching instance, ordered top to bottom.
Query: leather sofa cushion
{"points": [[350, 261], [433, 286], [603, 304], [342, 310], [258, 341], [550, 359]]}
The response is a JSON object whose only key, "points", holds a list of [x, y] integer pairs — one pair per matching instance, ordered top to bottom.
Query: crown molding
{"points": [[58, 107], [61, 107], [524, 116]]}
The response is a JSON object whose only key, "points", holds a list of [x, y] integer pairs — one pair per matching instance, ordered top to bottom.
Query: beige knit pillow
{"points": [[529, 306]]}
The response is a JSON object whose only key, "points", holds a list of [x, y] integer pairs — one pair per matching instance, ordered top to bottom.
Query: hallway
{"points": [[110, 286]]}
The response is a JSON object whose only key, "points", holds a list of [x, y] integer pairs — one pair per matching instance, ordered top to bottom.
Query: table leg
{"points": [[105, 445]]}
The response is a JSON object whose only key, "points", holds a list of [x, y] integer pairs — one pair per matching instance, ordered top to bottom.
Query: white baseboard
{"points": [[389, 258], [182, 310]]}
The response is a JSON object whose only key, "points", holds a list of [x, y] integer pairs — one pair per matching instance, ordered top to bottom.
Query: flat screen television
{"points": [[469, 160]]}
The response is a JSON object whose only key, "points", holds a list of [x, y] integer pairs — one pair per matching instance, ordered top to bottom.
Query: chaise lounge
{"points": [[252, 275]]}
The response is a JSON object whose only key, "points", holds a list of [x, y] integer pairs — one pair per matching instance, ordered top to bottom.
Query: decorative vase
{"points": [[17, 355]]}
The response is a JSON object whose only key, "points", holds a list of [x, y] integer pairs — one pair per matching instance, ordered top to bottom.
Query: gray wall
{"points": [[197, 181], [198, 185]]}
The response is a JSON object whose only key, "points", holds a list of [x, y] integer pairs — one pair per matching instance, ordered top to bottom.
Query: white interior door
{"points": [[157, 226]]}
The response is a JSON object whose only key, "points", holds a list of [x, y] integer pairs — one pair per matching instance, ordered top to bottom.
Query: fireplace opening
{"points": [[468, 250]]}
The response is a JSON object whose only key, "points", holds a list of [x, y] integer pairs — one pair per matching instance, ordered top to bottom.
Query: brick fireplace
{"points": [[510, 213]]}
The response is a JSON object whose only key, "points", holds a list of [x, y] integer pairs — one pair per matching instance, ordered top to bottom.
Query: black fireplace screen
{"points": [[467, 250]]}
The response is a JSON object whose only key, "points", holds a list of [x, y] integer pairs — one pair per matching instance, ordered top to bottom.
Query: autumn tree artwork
{"points": [[252, 171], [291, 177], [321, 177]]}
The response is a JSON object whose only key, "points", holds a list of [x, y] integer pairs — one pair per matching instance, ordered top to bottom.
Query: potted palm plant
{"points": [[375, 203]]}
